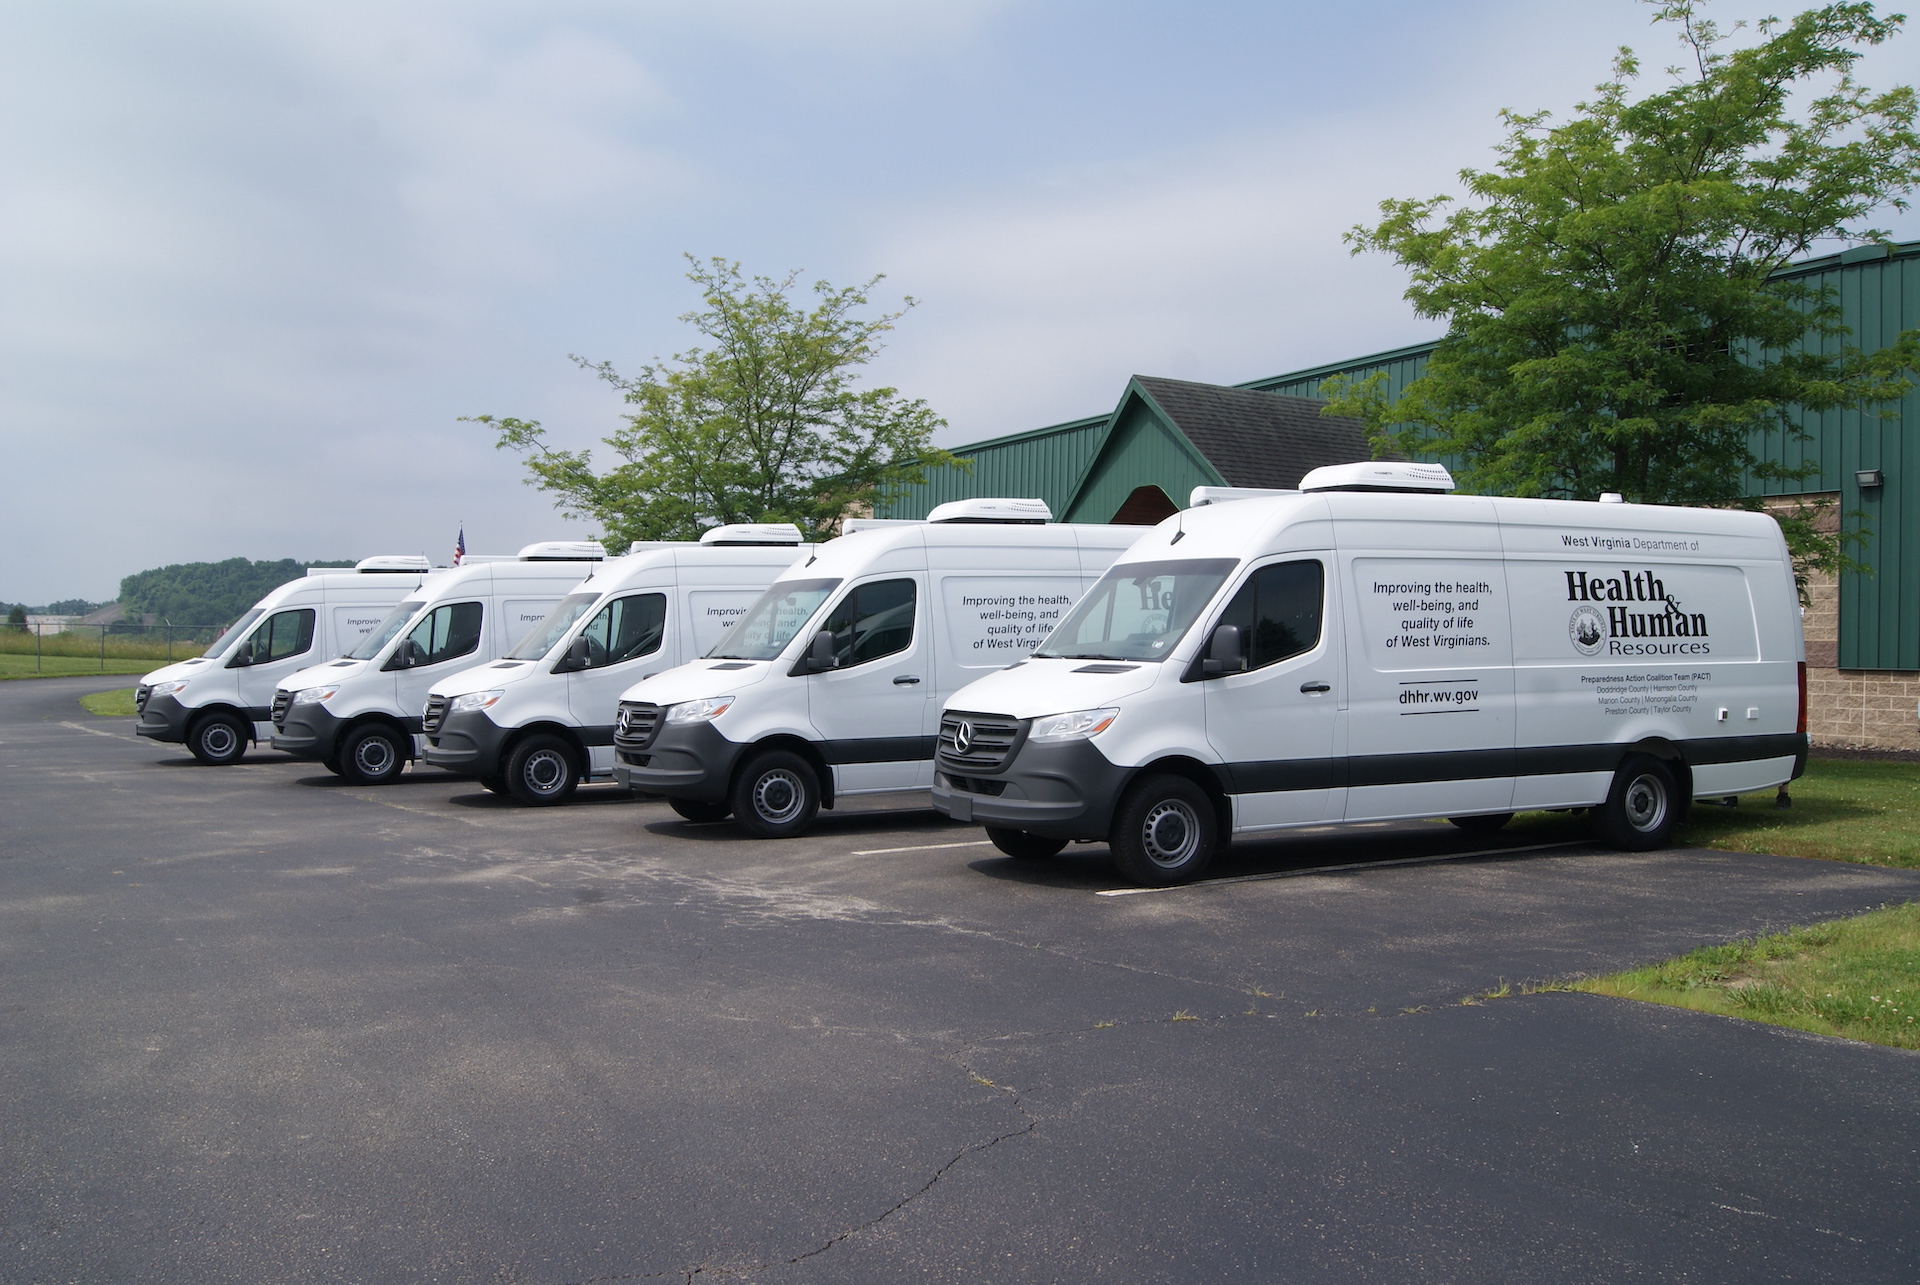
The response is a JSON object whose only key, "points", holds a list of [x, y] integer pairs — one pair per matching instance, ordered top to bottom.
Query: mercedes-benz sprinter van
{"points": [[1373, 648], [831, 683], [219, 702], [360, 715], [538, 721]]}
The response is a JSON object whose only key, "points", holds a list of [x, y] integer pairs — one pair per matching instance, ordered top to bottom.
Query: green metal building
{"points": [[1164, 437]]}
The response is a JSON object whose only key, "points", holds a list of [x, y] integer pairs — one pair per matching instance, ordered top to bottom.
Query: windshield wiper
{"points": [[1075, 655]]}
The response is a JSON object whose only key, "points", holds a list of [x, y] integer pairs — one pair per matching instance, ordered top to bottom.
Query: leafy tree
{"points": [[1612, 324], [766, 425], [208, 593], [17, 618]]}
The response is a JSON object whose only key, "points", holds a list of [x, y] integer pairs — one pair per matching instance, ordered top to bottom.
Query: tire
{"points": [[219, 739], [373, 755], [332, 764], [542, 771], [494, 784], [776, 795], [1642, 806], [699, 810], [1486, 823], [1165, 832], [1022, 846]]}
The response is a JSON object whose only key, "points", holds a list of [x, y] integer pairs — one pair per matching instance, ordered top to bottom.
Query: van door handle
{"points": [[905, 680], [1315, 688]]}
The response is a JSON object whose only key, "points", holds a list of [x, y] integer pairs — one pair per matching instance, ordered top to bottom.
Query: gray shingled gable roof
{"points": [[1257, 439]]}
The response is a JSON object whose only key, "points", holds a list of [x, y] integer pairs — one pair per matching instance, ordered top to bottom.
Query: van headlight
{"points": [[169, 687], [314, 695], [475, 700], [699, 711], [1076, 725]]}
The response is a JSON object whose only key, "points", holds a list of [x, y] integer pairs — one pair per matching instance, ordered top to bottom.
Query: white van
{"points": [[1344, 654], [831, 683], [218, 703], [360, 715], [536, 722]]}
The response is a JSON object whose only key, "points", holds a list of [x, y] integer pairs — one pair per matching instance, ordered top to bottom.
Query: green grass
{"points": [[84, 644], [12, 666], [113, 704], [1843, 810], [1858, 978]]}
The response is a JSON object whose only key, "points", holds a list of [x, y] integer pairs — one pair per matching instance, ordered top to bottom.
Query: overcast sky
{"points": [[256, 259]]}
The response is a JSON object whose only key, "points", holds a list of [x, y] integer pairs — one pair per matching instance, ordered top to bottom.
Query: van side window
{"points": [[1278, 611], [874, 620], [625, 628], [447, 632], [286, 633]]}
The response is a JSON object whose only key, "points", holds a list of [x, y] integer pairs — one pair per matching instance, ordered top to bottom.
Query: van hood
{"points": [[180, 669], [332, 671], [482, 678], [701, 678], [1036, 688]]}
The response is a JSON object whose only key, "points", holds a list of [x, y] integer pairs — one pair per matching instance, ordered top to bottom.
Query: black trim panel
{"points": [[591, 736], [880, 749]]}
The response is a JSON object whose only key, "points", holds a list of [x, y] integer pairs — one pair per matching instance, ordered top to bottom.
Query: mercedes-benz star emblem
{"points": [[962, 736]]}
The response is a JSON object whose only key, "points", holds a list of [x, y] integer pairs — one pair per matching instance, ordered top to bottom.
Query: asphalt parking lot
{"points": [[259, 1025]]}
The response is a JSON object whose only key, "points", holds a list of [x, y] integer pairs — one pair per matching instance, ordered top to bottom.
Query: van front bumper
{"points": [[164, 719], [310, 732], [468, 743], [684, 761], [1064, 791]]}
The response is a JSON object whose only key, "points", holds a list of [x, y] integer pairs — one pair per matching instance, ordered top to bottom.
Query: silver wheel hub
{"points": [[218, 740], [373, 755], [545, 772], [778, 796], [1646, 803], [1170, 833]]}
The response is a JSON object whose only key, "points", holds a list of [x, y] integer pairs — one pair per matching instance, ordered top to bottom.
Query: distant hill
{"points": [[207, 593]]}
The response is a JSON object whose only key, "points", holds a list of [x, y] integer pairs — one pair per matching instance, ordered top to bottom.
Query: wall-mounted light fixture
{"points": [[1869, 478]]}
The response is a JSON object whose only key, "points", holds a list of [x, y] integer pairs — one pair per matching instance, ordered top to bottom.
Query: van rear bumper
{"points": [[468, 744], [683, 762], [1064, 791]]}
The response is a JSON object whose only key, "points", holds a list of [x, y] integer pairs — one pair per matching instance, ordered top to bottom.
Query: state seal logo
{"points": [[1586, 628]]}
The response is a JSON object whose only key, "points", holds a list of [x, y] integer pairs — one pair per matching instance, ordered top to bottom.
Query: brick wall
{"points": [[1868, 708]]}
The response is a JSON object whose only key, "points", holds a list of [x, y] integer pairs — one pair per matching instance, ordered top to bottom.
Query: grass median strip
{"points": [[114, 704], [1857, 978]]}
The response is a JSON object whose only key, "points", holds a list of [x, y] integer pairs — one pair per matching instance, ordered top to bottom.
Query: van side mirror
{"points": [[823, 653], [408, 654], [1224, 655], [242, 656], [576, 657]]}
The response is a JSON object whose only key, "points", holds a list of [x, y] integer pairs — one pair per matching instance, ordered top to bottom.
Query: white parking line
{"points": [[94, 731], [922, 847], [1356, 865]]}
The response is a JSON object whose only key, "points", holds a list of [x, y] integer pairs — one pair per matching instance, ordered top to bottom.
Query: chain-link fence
{"points": [[38, 648]]}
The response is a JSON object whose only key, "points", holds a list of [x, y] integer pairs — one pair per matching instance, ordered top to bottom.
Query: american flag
{"points": [[460, 545]]}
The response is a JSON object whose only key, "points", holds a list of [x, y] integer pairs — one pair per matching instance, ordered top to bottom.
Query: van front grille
{"points": [[282, 702], [435, 713], [635, 726], [971, 743]]}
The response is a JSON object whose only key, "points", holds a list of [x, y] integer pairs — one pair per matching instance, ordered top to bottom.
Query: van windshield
{"points": [[1138, 610], [773, 621], [235, 632], [383, 633], [538, 643]]}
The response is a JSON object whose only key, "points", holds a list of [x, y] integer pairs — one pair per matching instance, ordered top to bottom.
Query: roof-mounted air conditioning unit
{"points": [[1379, 475], [1205, 495], [1020, 512], [753, 535], [564, 551], [389, 564]]}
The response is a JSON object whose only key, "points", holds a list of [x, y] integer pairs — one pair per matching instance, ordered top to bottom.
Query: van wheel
{"points": [[218, 739], [372, 755], [331, 763], [541, 771], [494, 784], [776, 795], [1641, 807], [699, 810], [1484, 824], [1165, 832], [1022, 846]]}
